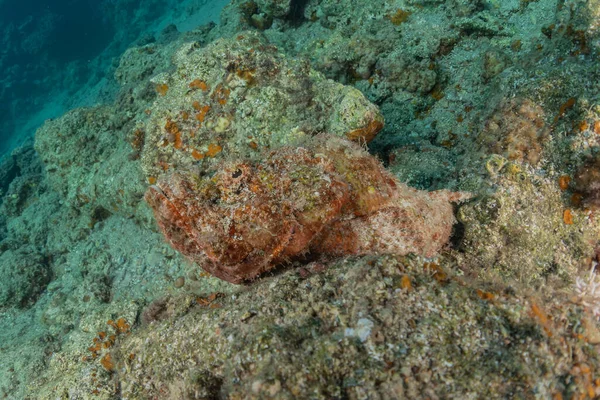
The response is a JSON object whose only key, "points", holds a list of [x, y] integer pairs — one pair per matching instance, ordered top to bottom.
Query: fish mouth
{"points": [[157, 190], [155, 196]]}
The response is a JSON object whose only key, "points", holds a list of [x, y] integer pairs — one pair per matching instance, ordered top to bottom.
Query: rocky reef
{"points": [[238, 96], [251, 147], [364, 328]]}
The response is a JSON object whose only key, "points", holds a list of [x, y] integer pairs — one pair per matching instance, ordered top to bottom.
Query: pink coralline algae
{"points": [[327, 197]]}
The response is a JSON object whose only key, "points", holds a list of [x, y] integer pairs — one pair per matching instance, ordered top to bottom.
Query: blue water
{"points": [[77, 33], [43, 40], [51, 49]]}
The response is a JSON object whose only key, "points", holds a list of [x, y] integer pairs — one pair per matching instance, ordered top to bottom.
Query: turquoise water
{"points": [[47, 44], [58, 55]]}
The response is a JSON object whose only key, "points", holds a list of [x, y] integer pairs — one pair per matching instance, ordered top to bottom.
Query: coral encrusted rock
{"points": [[238, 96], [516, 130], [587, 183], [328, 196], [525, 233], [26, 275]]}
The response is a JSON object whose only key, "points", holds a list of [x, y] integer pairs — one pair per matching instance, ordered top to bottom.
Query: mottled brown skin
{"points": [[328, 197], [248, 218]]}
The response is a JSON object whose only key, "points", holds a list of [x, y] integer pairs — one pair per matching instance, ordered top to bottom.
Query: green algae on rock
{"points": [[238, 96], [88, 164], [509, 236], [25, 275], [355, 331]]}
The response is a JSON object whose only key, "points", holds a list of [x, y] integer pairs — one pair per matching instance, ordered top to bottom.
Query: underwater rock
{"points": [[276, 8], [238, 16], [494, 62], [404, 73], [238, 96], [516, 130], [22, 161], [87, 163], [423, 166], [21, 180], [587, 183], [329, 197], [508, 235], [25, 275], [296, 341]]}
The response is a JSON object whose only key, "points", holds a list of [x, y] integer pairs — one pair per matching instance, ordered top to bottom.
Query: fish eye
{"points": [[237, 173]]}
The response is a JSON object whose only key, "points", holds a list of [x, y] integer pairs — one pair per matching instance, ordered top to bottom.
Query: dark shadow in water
{"points": [[297, 11], [77, 31]]}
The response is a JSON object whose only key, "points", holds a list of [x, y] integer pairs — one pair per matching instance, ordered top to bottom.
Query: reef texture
{"points": [[238, 96], [494, 98], [516, 130], [85, 164], [586, 184], [329, 197], [531, 242], [26, 275], [373, 328]]}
